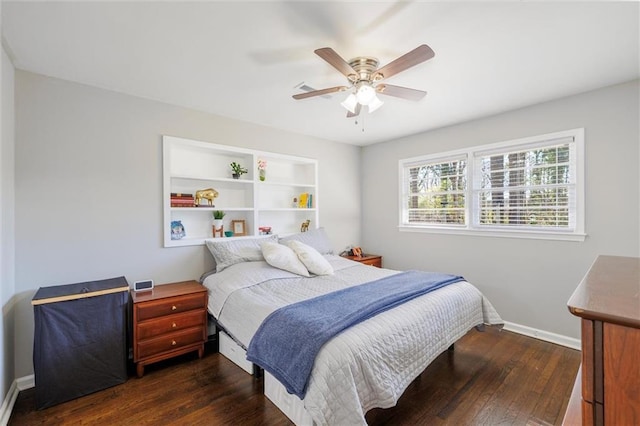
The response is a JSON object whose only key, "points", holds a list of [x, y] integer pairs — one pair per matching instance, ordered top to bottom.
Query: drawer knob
{"points": [[174, 307], [174, 325], [173, 343]]}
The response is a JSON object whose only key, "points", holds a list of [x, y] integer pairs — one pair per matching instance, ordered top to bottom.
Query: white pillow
{"points": [[316, 238], [229, 251], [282, 257], [311, 258]]}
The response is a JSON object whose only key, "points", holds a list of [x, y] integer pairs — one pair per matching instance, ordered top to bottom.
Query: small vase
{"points": [[262, 174]]}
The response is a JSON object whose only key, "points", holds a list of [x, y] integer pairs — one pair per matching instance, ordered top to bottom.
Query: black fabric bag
{"points": [[80, 340]]}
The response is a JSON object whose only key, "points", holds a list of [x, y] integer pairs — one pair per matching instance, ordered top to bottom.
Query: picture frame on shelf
{"points": [[239, 228], [177, 230]]}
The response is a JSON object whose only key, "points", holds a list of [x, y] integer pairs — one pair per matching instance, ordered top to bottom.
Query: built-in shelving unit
{"points": [[189, 166]]}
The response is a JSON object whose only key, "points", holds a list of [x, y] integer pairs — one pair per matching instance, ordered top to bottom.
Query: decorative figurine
{"points": [[208, 194], [305, 226]]}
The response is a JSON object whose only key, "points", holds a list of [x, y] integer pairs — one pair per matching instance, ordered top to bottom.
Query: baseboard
{"points": [[547, 336], [10, 399]]}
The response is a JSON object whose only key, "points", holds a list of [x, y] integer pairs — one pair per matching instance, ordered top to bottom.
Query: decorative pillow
{"points": [[316, 238], [227, 252], [282, 257], [310, 258]]}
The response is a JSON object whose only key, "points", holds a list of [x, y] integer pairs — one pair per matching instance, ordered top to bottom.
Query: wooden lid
{"points": [[61, 293]]}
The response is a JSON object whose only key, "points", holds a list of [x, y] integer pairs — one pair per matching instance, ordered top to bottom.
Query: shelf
{"points": [[189, 166], [215, 179], [295, 185], [210, 209], [286, 209]]}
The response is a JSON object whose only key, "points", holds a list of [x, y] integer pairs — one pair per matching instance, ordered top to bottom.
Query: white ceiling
{"points": [[244, 59]]}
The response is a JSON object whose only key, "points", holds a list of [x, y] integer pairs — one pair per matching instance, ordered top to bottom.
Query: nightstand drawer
{"points": [[367, 259], [376, 261], [174, 305], [168, 324], [170, 341]]}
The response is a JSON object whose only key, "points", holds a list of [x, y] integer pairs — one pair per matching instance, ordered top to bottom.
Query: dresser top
{"points": [[168, 290], [610, 291]]}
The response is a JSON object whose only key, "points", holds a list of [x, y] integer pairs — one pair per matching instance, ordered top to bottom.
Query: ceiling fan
{"points": [[365, 78]]}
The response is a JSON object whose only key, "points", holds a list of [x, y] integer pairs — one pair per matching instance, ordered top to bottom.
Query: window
{"points": [[529, 187], [437, 190]]}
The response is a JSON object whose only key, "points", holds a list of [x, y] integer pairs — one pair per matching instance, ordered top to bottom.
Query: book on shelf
{"points": [[181, 195], [305, 200], [182, 203]]}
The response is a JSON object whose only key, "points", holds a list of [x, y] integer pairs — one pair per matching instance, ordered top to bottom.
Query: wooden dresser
{"points": [[608, 303], [169, 320]]}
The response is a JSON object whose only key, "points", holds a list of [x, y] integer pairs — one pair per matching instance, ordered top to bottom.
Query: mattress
{"points": [[369, 365]]}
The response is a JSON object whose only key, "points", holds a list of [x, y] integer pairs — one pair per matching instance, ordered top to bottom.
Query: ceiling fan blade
{"points": [[416, 56], [336, 61], [319, 92], [400, 92], [356, 113]]}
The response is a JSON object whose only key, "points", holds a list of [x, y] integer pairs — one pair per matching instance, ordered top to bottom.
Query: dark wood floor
{"points": [[491, 378]]}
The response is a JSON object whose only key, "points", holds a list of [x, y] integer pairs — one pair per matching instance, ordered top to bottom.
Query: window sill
{"points": [[536, 235]]}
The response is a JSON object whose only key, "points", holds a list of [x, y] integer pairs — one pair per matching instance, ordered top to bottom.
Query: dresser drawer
{"points": [[173, 305], [168, 324], [170, 342]]}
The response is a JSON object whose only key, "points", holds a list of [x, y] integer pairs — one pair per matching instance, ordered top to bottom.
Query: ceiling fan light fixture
{"points": [[365, 94], [350, 103], [375, 104]]}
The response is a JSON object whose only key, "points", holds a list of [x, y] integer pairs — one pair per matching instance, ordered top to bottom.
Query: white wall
{"points": [[89, 188], [7, 222], [528, 281]]}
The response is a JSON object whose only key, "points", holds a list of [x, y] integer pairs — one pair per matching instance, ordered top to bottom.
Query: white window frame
{"points": [[471, 227]]}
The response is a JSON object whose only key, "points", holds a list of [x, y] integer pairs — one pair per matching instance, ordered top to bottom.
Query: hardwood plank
{"points": [[494, 375]]}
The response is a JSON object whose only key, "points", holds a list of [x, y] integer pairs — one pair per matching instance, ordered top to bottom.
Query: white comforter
{"points": [[368, 365]]}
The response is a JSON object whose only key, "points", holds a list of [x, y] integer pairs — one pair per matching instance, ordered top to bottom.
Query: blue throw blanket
{"points": [[288, 340]]}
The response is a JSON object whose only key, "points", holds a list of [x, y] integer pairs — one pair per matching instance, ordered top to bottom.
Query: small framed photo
{"points": [[239, 228], [357, 251]]}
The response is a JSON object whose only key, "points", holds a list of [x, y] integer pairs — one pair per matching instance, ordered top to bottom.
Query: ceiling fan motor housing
{"points": [[365, 67]]}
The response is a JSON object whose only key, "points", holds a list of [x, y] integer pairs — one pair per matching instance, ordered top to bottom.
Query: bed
{"points": [[369, 364]]}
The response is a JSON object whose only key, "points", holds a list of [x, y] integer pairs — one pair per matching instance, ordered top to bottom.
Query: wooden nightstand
{"points": [[368, 259], [169, 320]]}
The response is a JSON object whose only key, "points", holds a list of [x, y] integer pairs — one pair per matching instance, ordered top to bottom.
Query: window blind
{"points": [[529, 187], [526, 188], [435, 191]]}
